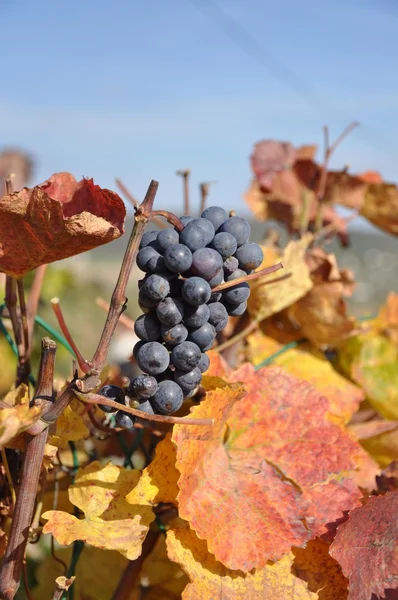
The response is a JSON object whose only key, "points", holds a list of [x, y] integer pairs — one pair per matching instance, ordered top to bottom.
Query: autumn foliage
{"points": [[285, 484]]}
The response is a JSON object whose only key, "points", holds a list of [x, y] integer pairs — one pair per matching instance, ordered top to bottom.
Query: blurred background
{"points": [[137, 90]]}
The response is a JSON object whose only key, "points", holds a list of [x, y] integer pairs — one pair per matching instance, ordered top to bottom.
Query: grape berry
{"points": [[182, 313]]}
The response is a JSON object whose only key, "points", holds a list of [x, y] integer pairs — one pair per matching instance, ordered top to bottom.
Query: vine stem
{"points": [[204, 189], [134, 202], [170, 217], [256, 275], [118, 301], [123, 319], [23, 368], [98, 399], [11, 569], [128, 580]]}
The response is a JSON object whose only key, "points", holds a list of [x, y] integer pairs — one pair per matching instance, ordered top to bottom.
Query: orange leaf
{"points": [[56, 219], [249, 485], [110, 522], [366, 547], [211, 580]]}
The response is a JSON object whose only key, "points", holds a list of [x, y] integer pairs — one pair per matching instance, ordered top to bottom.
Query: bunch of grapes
{"points": [[182, 313]]}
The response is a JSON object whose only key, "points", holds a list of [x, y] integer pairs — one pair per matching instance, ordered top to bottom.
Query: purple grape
{"points": [[216, 215], [186, 219], [206, 226], [237, 227], [167, 237], [194, 237], [149, 239], [225, 244], [145, 255], [250, 256], [178, 258], [206, 263], [230, 265], [217, 279], [156, 287], [196, 290], [237, 294], [145, 302], [236, 310], [170, 311], [218, 314], [196, 316], [147, 327], [175, 334], [203, 336], [186, 356], [153, 358], [204, 363], [188, 380], [142, 387], [112, 392], [168, 399], [146, 407], [125, 420]]}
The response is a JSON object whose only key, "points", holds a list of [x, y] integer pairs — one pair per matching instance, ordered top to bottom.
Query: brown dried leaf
{"points": [[54, 220]]}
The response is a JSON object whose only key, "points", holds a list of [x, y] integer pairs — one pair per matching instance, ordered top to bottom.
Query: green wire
{"points": [[54, 334], [272, 357]]}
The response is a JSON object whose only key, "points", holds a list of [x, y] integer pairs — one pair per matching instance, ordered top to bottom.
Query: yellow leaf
{"points": [[380, 206], [267, 299], [344, 396], [18, 417], [70, 426], [383, 447], [158, 482], [110, 522], [161, 578], [211, 580]]}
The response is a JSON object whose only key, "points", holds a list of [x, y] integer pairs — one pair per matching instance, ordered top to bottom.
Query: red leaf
{"points": [[269, 158], [54, 220], [366, 546]]}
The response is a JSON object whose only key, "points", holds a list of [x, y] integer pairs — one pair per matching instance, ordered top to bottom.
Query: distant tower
{"points": [[18, 164]]}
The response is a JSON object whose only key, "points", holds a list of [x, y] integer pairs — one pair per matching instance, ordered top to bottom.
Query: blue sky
{"points": [[140, 89]]}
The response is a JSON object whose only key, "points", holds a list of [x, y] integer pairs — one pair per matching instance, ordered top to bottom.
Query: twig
{"points": [[328, 151], [185, 173], [126, 192], [171, 218], [158, 222], [256, 275], [34, 297], [118, 301], [123, 319], [238, 337], [85, 367], [98, 399], [8, 475], [55, 557], [10, 573], [128, 580], [26, 582], [62, 585]]}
